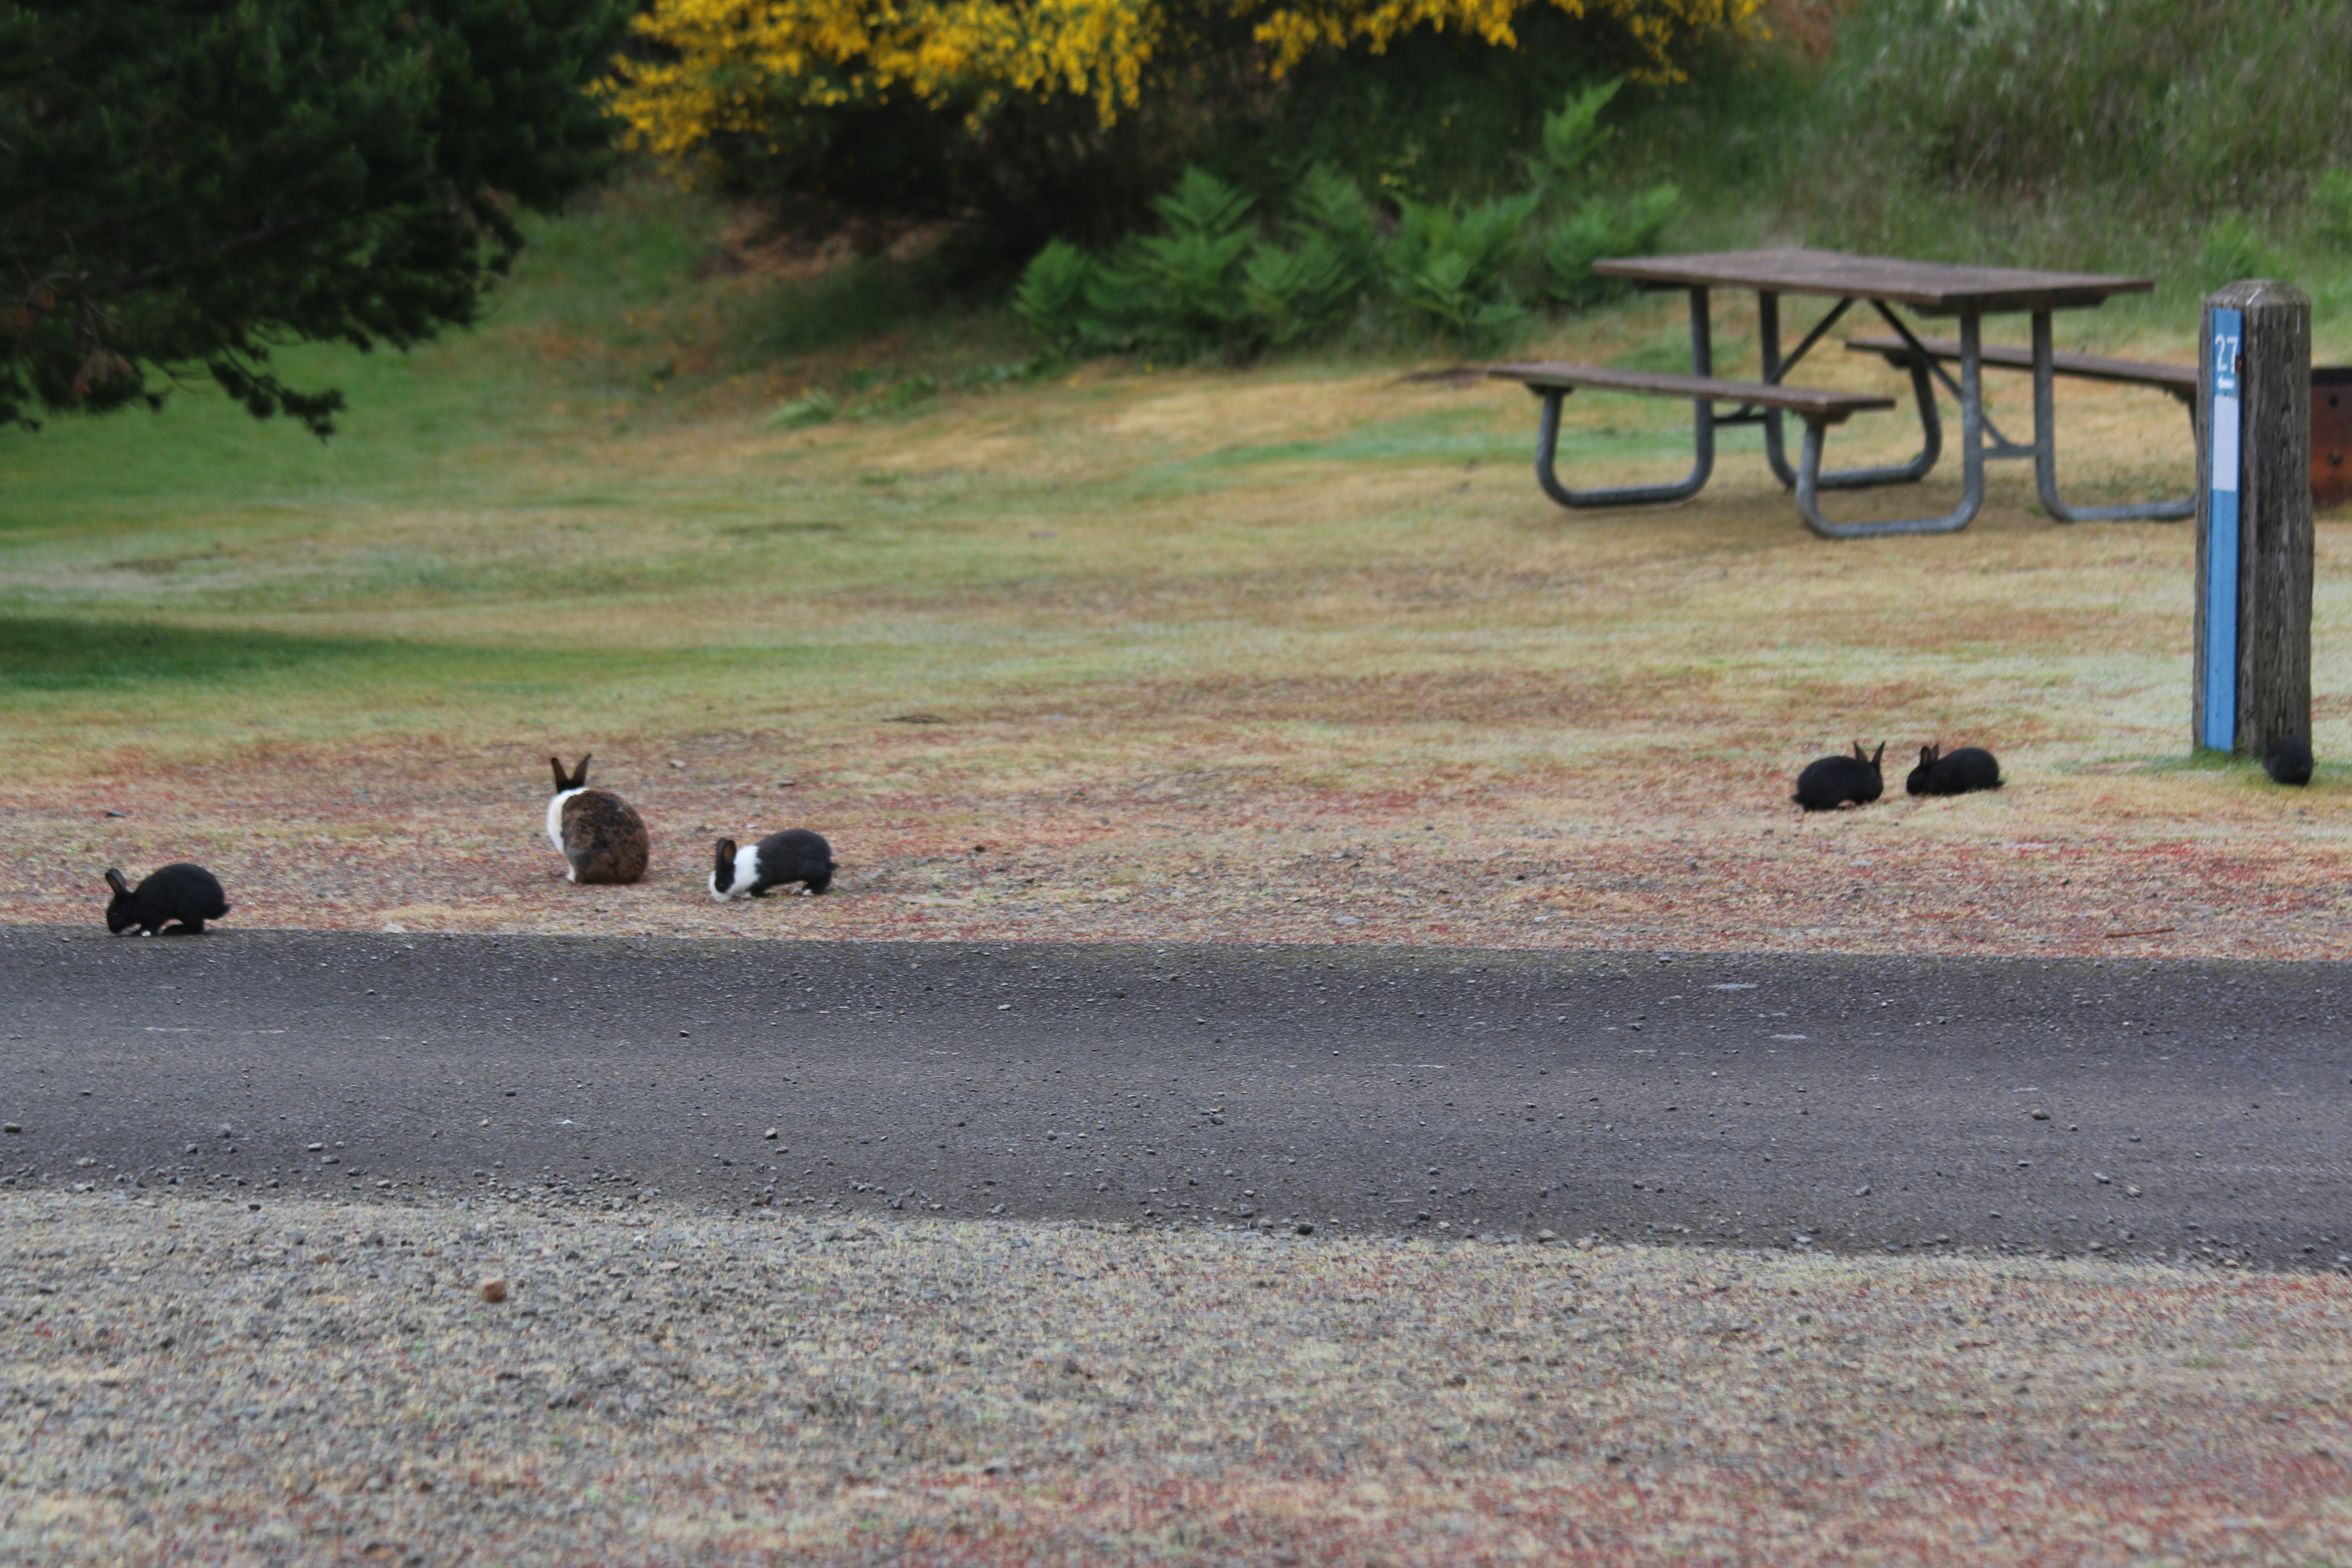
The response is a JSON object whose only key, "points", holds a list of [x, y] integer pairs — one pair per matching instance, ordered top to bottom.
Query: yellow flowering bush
{"points": [[1662, 30], [772, 74]]}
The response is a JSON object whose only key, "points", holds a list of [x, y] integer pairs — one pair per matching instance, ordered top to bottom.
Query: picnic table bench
{"points": [[1885, 282], [2179, 380], [1553, 382]]}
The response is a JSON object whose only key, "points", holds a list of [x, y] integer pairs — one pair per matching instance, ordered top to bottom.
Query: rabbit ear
{"points": [[1857, 752], [1876, 754], [1927, 756], [557, 763], [579, 775], [726, 856], [114, 880]]}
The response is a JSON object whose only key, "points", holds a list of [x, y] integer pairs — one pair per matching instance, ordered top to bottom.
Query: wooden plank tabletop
{"points": [[1934, 287]]}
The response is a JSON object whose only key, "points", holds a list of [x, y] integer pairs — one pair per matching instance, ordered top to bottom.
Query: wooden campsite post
{"points": [[2253, 520]]}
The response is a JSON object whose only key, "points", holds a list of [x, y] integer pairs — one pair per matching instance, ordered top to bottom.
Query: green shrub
{"points": [[1571, 138], [1328, 202], [1603, 227], [1449, 264], [1210, 280], [1213, 280], [1186, 285], [1304, 289], [1181, 290], [1298, 291], [1052, 294]]}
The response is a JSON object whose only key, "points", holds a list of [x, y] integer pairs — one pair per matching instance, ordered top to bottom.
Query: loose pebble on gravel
{"points": [[312, 1381]]}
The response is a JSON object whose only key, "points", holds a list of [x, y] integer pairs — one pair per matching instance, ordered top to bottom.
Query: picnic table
{"points": [[1888, 285]]}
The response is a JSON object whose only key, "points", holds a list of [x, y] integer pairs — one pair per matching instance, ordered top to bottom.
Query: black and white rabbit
{"points": [[2289, 762], [1969, 768], [1834, 782], [600, 836], [795, 855], [180, 891]]}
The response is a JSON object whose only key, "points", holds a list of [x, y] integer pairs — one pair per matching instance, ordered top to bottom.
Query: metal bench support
{"points": [[1923, 397], [1703, 424], [2045, 452], [1809, 479]]}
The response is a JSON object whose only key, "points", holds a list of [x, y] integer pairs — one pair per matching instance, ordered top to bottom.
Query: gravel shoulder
{"points": [[196, 1381]]}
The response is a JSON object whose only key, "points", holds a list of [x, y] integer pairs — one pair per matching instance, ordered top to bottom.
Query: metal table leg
{"points": [[1776, 370], [1702, 435], [2045, 450], [1809, 479]]}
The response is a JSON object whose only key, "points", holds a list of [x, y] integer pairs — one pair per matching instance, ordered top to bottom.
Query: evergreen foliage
{"points": [[187, 184], [1595, 225], [1598, 227], [1448, 264], [1213, 280], [1184, 286], [1304, 288]]}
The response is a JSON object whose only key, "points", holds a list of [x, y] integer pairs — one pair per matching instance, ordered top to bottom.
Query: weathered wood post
{"points": [[2253, 520]]}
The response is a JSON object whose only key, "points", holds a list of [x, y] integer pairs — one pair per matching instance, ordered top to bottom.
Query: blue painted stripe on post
{"points": [[2228, 331]]}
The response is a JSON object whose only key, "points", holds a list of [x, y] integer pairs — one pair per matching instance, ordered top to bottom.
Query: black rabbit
{"points": [[2289, 762], [1965, 771], [1834, 782], [795, 855], [180, 891]]}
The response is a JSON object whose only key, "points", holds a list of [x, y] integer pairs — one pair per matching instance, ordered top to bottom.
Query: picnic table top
{"points": [[1935, 287]]}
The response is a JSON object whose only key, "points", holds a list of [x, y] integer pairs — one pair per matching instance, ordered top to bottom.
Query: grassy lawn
{"points": [[1290, 652]]}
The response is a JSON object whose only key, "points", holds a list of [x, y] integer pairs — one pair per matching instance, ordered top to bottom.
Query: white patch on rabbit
{"points": [[555, 818], [747, 873]]}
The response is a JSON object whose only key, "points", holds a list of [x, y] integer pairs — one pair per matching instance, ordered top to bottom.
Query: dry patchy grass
{"points": [[1293, 654], [200, 1383]]}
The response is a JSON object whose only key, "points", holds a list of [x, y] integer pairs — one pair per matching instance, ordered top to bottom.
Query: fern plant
{"points": [[1572, 137], [1595, 226], [1603, 227], [1448, 264], [1213, 280], [1183, 288], [1304, 289], [1052, 294]]}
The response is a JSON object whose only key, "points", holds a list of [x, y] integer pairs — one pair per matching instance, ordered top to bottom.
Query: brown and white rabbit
{"points": [[600, 836]]}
